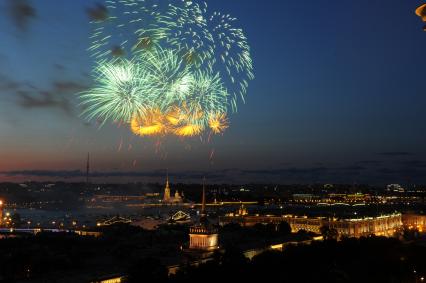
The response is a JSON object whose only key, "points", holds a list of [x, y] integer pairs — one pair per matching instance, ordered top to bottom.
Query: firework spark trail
{"points": [[187, 32], [173, 58], [233, 59], [167, 74], [122, 90], [120, 145], [212, 154]]}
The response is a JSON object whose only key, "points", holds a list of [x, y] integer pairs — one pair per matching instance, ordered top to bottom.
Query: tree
{"points": [[16, 220], [232, 227], [284, 228], [329, 233], [148, 270]]}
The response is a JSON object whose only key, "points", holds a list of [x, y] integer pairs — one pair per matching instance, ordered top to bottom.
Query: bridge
{"points": [[180, 216]]}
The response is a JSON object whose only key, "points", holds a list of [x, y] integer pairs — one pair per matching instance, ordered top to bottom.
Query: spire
{"points": [[87, 168], [167, 179], [167, 189], [203, 204]]}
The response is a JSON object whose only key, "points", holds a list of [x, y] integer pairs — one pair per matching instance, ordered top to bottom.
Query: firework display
{"points": [[170, 68]]}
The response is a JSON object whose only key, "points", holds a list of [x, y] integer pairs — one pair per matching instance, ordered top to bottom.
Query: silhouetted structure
{"points": [[87, 169], [203, 236]]}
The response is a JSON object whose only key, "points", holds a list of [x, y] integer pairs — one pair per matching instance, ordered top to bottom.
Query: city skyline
{"points": [[338, 97]]}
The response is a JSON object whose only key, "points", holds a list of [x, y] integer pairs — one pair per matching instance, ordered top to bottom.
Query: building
{"points": [[167, 198], [1, 213], [414, 221], [385, 225], [203, 236]]}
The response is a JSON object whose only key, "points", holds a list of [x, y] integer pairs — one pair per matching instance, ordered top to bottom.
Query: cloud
{"points": [[21, 12], [97, 13], [59, 67], [7, 84], [68, 86], [30, 97], [43, 99], [395, 153], [369, 162], [413, 163], [287, 171], [106, 174], [342, 175], [402, 175]]}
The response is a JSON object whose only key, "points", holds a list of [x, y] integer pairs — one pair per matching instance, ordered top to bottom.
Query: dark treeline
{"points": [[143, 256], [54, 257], [372, 259]]}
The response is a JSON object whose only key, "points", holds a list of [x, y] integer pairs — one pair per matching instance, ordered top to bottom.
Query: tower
{"points": [[87, 169], [166, 197], [203, 203], [1, 212], [203, 236]]}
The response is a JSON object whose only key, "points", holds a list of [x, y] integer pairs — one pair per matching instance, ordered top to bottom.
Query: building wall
{"points": [[414, 221], [380, 226], [203, 242]]}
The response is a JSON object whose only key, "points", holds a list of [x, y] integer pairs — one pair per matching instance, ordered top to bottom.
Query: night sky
{"points": [[339, 96]]}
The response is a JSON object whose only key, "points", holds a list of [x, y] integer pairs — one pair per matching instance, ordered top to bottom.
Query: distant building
{"points": [[397, 188], [305, 197], [167, 198], [1, 213], [414, 221], [385, 225], [203, 236]]}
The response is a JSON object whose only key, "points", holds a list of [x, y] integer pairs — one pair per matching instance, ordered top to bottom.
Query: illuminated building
{"points": [[395, 188], [117, 198], [167, 198], [242, 211], [1, 212], [414, 221], [385, 225], [203, 236], [110, 279]]}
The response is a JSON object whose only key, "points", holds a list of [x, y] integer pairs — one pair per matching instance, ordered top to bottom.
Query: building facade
{"points": [[167, 197], [414, 221], [385, 225], [203, 236]]}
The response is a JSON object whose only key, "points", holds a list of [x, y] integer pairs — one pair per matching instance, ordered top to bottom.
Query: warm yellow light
{"points": [[421, 12], [174, 116], [180, 120], [218, 123], [149, 125], [188, 130]]}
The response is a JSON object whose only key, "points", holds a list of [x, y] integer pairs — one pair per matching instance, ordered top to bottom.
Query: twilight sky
{"points": [[339, 96]]}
